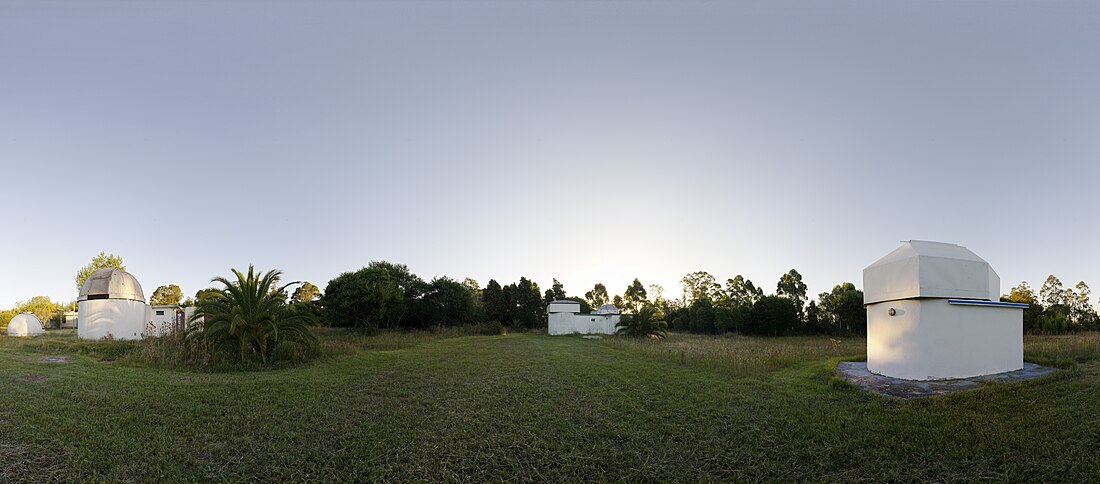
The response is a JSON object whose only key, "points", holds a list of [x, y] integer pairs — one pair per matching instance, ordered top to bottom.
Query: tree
{"points": [[101, 261], [700, 285], [790, 285], [474, 287], [657, 291], [742, 292], [305, 293], [555, 293], [206, 294], [1023, 294], [1052, 294], [165, 295], [597, 296], [635, 296], [368, 298], [449, 302], [495, 305], [40, 306], [525, 308], [585, 308], [842, 309], [1081, 310], [413, 313], [775, 315], [6, 316], [701, 316], [248, 321], [647, 322]]}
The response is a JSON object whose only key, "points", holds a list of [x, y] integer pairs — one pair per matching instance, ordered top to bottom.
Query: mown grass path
{"points": [[531, 407]]}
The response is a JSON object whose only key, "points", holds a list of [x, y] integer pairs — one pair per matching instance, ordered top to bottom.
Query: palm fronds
{"points": [[248, 319]]}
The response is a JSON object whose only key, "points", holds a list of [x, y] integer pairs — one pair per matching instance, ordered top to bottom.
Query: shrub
{"points": [[248, 321], [646, 323]]}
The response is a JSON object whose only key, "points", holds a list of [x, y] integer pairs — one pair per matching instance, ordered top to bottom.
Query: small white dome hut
{"points": [[112, 304], [25, 324]]}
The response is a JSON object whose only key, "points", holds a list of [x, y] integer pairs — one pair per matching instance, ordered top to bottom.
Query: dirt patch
{"points": [[56, 359], [35, 378]]}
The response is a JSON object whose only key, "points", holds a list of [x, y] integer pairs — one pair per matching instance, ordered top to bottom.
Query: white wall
{"points": [[119, 318], [570, 323], [161, 324], [929, 339]]}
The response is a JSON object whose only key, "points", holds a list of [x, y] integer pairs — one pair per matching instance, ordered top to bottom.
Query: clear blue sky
{"points": [[588, 141]]}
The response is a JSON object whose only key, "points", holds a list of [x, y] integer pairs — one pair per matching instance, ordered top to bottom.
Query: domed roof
{"points": [[921, 268], [111, 283], [607, 309], [24, 324]]}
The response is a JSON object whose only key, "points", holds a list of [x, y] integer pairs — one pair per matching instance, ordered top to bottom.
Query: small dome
{"points": [[111, 283], [607, 309], [24, 324]]}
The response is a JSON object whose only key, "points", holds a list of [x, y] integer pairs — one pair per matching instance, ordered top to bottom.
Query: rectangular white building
{"points": [[565, 317]]}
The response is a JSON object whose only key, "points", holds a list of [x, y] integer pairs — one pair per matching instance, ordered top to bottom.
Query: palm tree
{"points": [[249, 318], [645, 323]]}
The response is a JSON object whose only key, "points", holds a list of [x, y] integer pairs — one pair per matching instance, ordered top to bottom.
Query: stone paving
{"points": [[856, 373]]}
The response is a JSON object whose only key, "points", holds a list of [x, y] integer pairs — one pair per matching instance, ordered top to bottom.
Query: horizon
{"points": [[588, 142]]}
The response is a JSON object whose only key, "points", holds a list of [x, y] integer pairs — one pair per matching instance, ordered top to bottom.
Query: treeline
{"points": [[388, 295], [740, 306], [1055, 309]]}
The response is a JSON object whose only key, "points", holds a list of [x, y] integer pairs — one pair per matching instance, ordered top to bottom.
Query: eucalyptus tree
{"points": [[597, 296]]}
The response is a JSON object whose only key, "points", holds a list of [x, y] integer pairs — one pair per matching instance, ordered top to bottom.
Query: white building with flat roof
{"points": [[565, 317]]}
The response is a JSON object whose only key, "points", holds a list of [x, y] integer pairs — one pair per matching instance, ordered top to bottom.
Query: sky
{"points": [[583, 141]]}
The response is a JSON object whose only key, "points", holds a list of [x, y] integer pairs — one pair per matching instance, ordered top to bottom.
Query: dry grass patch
{"points": [[743, 355]]}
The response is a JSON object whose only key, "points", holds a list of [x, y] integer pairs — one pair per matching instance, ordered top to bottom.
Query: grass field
{"points": [[421, 406]]}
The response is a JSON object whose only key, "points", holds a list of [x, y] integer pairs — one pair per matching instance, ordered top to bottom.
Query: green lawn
{"points": [[533, 407]]}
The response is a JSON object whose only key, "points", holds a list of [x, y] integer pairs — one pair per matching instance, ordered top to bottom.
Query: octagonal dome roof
{"points": [[921, 268], [111, 283], [607, 309], [24, 324]]}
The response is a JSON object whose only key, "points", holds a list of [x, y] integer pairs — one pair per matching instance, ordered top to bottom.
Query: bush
{"points": [[248, 322]]}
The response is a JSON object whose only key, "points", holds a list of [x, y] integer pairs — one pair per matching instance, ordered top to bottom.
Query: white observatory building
{"points": [[111, 304], [934, 313], [565, 317], [25, 324]]}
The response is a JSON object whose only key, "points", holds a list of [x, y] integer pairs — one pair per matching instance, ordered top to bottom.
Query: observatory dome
{"points": [[921, 269], [111, 283], [112, 305], [607, 309], [25, 324]]}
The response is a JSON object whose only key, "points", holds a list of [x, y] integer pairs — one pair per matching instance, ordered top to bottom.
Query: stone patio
{"points": [[855, 372]]}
